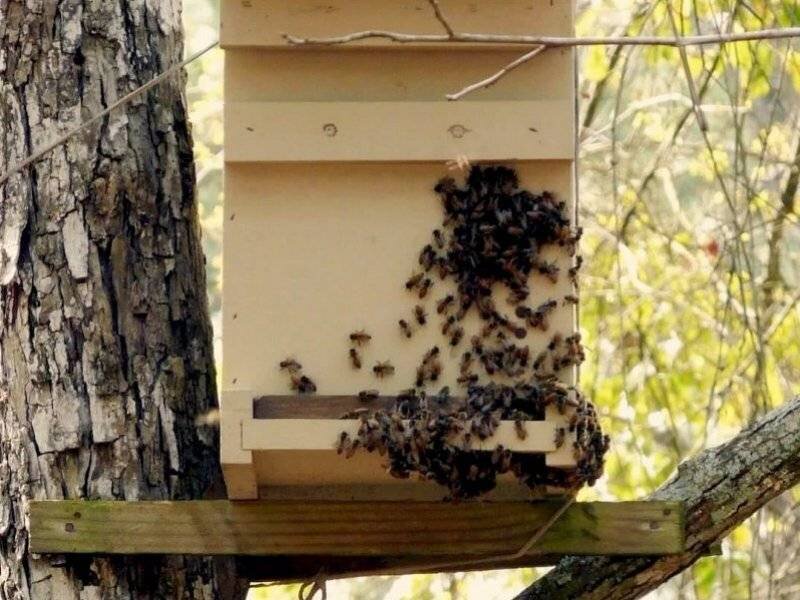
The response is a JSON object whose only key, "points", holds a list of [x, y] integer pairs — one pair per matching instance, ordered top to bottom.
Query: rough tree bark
{"points": [[105, 342], [721, 487]]}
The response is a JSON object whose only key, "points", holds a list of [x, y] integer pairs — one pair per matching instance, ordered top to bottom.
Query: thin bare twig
{"points": [[437, 10], [547, 41], [489, 81], [698, 111], [40, 152]]}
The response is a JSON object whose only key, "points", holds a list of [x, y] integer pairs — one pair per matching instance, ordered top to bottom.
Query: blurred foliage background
{"points": [[690, 289]]}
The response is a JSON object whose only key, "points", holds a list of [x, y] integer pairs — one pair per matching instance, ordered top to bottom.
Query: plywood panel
{"points": [[263, 22], [361, 75], [396, 131], [315, 252], [323, 434]]}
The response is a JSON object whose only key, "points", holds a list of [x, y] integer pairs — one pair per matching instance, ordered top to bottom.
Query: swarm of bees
{"points": [[492, 237], [431, 436]]}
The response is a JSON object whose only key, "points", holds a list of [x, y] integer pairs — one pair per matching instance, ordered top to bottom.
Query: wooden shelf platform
{"points": [[363, 536]]}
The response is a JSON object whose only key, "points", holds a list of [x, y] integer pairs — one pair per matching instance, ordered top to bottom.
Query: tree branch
{"points": [[437, 10], [546, 41], [491, 80], [721, 487]]}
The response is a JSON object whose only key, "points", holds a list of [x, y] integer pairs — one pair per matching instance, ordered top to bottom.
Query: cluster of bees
{"points": [[491, 238], [432, 436]]}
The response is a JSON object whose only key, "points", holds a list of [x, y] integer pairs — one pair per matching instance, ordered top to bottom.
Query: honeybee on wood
{"points": [[438, 238], [427, 258], [549, 270], [573, 271], [414, 280], [425, 287], [570, 299], [445, 303], [420, 315], [448, 324], [405, 327], [458, 334], [360, 337], [555, 342], [430, 354], [355, 358], [466, 362], [291, 365], [383, 369], [435, 370], [467, 379], [420, 380], [303, 384], [368, 395], [519, 428], [561, 435], [343, 443]]}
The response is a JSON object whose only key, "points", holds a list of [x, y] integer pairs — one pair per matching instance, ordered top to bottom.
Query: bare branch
{"points": [[441, 18], [548, 42], [489, 81], [698, 111], [720, 488]]}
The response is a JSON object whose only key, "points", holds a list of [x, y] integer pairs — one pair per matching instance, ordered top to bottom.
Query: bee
{"points": [[438, 238], [427, 258], [549, 270], [573, 271], [414, 280], [425, 287], [570, 299], [445, 303], [420, 314], [448, 324], [405, 327], [458, 334], [360, 337], [555, 342], [477, 345], [430, 355], [355, 358], [466, 363], [291, 365], [383, 369], [435, 370], [467, 379], [420, 380], [303, 384], [368, 395], [519, 428], [561, 435], [344, 443]]}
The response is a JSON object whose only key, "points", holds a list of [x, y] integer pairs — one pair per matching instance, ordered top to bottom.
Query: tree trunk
{"points": [[105, 341], [720, 487]]}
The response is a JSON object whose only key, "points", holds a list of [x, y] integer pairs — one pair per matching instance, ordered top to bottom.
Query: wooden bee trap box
{"points": [[332, 154]]}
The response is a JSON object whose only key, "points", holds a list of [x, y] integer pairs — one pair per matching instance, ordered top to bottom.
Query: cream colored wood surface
{"points": [[263, 22], [371, 75], [396, 131], [322, 231], [315, 252], [323, 434], [237, 463]]}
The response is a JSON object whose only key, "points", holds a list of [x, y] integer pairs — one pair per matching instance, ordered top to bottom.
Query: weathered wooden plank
{"points": [[262, 23], [397, 131], [323, 434], [352, 528]]}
